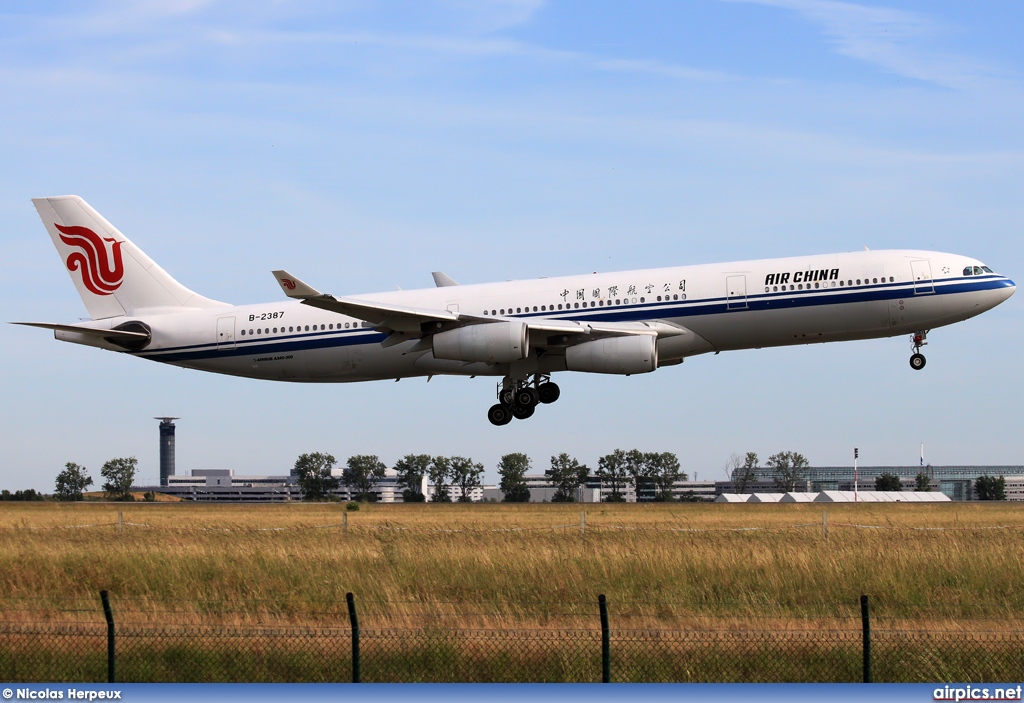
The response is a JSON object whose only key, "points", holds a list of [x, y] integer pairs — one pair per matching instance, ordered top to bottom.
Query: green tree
{"points": [[788, 468], [411, 469], [512, 469], [613, 470], [663, 471], [743, 471], [314, 472], [639, 472], [120, 473], [362, 473], [439, 474], [466, 475], [568, 475], [71, 482], [888, 482], [922, 483], [990, 488], [29, 494]]}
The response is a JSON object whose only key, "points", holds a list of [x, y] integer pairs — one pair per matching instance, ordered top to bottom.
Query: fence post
{"points": [[344, 522], [120, 523], [583, 523], [824, 524], [109, 615], [354, 620], [866, 626], [606, 654]]}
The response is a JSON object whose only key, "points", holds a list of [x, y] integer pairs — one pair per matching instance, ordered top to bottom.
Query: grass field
{"points": [[488, 565], [509, 592]]}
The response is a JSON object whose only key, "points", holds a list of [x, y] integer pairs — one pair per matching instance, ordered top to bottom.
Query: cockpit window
{"points": [[986, 269], [968, 271], [978, 271]]}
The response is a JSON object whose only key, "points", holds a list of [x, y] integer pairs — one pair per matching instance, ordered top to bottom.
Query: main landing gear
{"points": [[918, 340], [519, 399]]}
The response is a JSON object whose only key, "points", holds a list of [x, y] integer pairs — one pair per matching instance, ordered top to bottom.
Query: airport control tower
{"points": [[166, 447]]}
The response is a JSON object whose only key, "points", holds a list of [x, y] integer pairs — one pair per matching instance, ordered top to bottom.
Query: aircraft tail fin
{"points": [[113, 276]]}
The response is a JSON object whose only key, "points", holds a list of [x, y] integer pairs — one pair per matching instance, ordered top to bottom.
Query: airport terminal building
{"points": [[956, 482]]}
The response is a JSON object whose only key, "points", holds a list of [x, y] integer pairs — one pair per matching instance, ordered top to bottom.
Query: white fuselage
{"points": [[737, 305]]}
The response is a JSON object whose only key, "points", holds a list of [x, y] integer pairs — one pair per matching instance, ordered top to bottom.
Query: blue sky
{"points": [[362, 145]]}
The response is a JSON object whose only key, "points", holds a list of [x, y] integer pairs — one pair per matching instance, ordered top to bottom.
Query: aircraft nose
{"points": [[1009, 287]]}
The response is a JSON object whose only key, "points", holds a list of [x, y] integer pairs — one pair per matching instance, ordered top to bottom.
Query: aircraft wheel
{"points": [[917, 362], [548, 392], [507, 396], [527, 397], [521, 412], [499, 415]]}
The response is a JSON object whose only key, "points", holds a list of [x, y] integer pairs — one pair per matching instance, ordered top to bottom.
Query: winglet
{"points": [[443, 281], [293, 287]]}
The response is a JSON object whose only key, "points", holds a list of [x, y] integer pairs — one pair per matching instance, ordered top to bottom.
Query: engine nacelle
{"points": [[493, 343], [620, 355]]}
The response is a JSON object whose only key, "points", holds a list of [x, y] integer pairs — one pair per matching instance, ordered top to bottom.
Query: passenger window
{"points": [[858, 281], [641, 300], [243, 333]]}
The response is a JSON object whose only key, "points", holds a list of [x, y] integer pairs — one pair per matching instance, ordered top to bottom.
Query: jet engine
{"points": [[493, 343], [619, 355]]}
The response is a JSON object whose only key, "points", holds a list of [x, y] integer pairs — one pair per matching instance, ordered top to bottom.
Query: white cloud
{"points": [[894, 40]]}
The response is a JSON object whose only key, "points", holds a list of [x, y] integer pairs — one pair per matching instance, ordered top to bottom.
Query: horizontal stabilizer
{"points": [[92, 331]]}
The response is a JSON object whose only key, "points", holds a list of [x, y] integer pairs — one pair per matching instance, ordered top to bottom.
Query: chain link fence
{"points": [[848, 652]]}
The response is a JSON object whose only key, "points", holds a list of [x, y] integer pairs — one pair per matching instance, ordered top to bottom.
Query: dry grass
{"points": [[516, 566]]}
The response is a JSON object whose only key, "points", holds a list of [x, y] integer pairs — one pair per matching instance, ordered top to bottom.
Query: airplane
{"points": [[623, 322]]}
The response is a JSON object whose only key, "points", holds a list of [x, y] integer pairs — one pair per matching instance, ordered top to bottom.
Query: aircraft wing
{"points": [[399, 318], [405, 322]]}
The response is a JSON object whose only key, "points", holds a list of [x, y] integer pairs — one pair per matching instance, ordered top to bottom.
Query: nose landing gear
{"points": [[918, 340], [519, 399]]}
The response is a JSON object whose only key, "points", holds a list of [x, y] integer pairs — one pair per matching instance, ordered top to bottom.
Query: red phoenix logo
{"points": [[100, 274], [288, 283]]}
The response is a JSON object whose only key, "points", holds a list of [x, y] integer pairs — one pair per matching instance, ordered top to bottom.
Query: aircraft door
{"points": [[921, 270], [736, 292], [225, 333]]}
